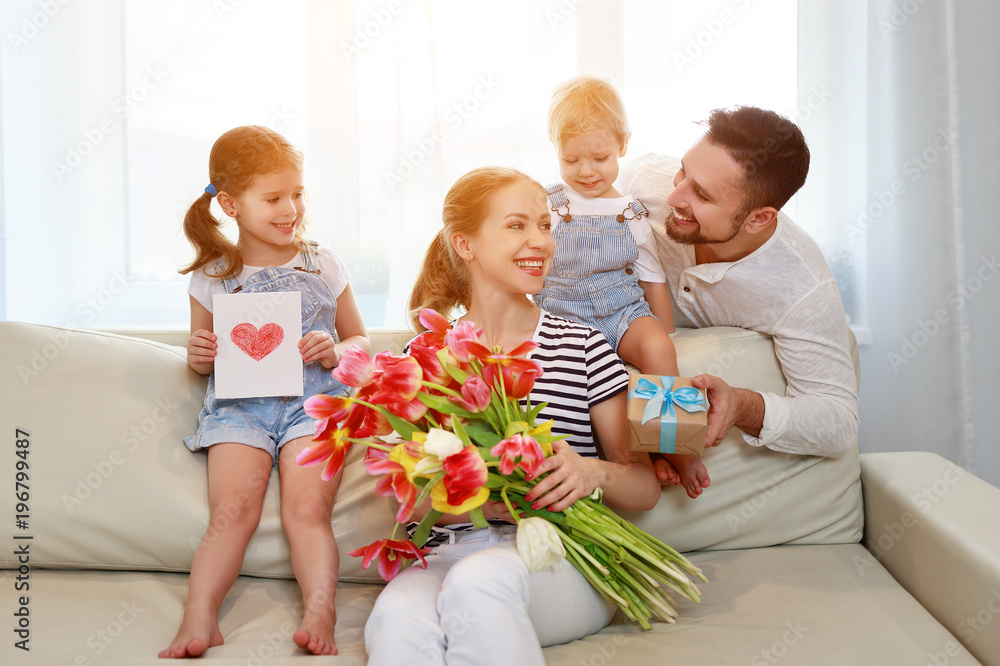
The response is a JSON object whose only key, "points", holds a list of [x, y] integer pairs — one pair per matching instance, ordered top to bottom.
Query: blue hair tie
{"points": [[211, 189]]}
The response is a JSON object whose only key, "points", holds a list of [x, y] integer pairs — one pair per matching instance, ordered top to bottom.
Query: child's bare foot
{"points": [[692, 471], [665, 472], [197, 633], [315, 634]]}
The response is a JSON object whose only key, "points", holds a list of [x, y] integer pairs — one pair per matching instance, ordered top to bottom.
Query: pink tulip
{"points": [[436, 324], [462, 339], [355, 368], [475, 395], [518, 451], [390, 554]]}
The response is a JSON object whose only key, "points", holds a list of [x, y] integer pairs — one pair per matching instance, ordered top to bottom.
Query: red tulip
{"points": [[398, 378], [332, 447], [464, 475], [390, 554]]}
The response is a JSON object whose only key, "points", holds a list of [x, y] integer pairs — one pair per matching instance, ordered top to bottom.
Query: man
{"points": [[732, 259]]}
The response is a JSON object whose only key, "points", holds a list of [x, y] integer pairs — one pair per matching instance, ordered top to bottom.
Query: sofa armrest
{"points": [[936, 529]]}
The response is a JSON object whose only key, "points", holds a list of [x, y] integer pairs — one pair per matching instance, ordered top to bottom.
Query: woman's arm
{"points": [[627, 478]]}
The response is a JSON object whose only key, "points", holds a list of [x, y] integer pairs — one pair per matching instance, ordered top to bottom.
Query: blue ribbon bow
{"points": [[661, 401]]}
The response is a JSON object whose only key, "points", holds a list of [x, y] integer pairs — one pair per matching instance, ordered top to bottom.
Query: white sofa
{"points": [[872, 559]]}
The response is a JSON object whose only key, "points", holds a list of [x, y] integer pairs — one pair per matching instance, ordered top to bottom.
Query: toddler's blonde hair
{"points": [[586, 104]]}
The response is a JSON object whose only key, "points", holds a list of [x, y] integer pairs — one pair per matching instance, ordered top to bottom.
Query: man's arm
{"points": [[818, 414]]}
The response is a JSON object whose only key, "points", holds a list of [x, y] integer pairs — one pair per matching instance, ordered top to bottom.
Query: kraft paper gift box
{"points": [[666, 415]]}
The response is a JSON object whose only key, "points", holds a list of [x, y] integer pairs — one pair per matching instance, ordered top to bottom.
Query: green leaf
{"points": [[442, 404], [400, 425], [482, 436], [478, 520], [424, 528]]}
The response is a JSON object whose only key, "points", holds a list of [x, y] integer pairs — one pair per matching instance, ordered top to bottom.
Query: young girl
{"points": [[256, 175], [606, 272], [476, 602]]}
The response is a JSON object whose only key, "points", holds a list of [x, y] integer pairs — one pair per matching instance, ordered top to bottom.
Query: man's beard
{"points": [[694, 236]]}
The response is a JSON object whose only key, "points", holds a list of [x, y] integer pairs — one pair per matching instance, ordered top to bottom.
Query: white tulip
{"points": [[442, 443], [538, 544]]}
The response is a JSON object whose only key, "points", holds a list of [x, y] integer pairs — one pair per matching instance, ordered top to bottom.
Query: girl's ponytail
{"points": [[204, 232], [442, 283]]}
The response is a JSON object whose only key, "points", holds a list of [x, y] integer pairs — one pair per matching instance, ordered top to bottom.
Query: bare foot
{"points": [[692, 471], [665, 472], [197, 633], [315, 634]]}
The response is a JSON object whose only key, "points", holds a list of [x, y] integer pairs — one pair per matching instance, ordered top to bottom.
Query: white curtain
{"points": [[904, 152]]}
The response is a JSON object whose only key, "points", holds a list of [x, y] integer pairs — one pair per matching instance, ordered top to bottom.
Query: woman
{"points": [[476, 602]]}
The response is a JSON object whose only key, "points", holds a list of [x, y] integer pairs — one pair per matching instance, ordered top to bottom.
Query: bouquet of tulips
{"points": [[460, 436]]}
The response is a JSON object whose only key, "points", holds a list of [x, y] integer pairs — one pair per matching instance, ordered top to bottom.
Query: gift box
{"points": [[666, 415]]}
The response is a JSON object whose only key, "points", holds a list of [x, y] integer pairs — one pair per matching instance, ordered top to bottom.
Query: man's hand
{"points": [[729, 407]]}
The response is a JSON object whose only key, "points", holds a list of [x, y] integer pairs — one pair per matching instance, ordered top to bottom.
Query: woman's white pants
{"points": [[477, 603]]}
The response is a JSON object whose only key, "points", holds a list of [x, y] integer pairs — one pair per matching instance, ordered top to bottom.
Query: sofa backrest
{"points": [[112, 486], [757, 497]]}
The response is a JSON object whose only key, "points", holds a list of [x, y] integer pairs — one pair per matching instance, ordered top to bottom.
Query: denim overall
{"points": [[592, 280], [268, 423]]}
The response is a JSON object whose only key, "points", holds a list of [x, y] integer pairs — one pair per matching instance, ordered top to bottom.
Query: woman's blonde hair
{"points": [[586, 104], [237, 157], [443, 282]]}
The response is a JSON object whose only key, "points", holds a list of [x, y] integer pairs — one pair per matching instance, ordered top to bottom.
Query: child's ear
{"points": [[621, 153], [227, 203]]}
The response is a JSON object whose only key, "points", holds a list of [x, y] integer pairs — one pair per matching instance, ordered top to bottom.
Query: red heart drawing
{"points": [[257, 344]]}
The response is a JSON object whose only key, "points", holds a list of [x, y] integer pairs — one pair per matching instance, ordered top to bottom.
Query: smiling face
{"points": [[588, 163], [707, 199], [269, 211], [512, 250]]}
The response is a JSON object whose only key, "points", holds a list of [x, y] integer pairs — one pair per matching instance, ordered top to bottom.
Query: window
{"points": [[390, 100]]}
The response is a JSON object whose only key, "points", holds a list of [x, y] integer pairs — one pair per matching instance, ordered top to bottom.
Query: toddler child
{"points": [[605, 272]]}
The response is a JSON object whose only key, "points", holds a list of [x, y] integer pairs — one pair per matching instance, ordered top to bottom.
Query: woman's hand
{"points": [[319, 346], [201, 351], [571, 477]]}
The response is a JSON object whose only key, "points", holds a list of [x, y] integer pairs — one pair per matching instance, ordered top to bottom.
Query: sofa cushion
{"points": [[112, 484], [757, 497], [790, 604]]}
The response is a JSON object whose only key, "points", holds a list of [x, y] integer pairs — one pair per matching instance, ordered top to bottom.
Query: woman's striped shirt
{"points": [[579, 370]]}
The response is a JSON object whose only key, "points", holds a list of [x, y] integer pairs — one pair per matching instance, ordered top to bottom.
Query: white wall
{"points": [[937, 233]]}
